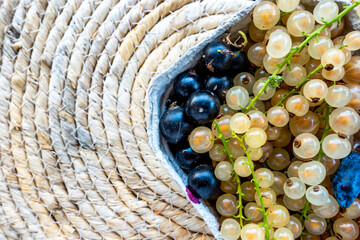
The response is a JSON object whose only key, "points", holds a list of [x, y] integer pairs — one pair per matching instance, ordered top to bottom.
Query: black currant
{"points": [[217, 57], [239, 64], [201, 69], [185, 84], [219, 86], [173, 100], [202, 106], [174, 125], [187, 159], [346, 180], [203, 183]]}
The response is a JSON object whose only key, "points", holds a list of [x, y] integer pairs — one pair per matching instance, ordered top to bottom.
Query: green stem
{"points": [[299, 48], [297, 87], [321, 109], [326, 130], [237, 178], [257, 187], [304, 212], [330, 226]]}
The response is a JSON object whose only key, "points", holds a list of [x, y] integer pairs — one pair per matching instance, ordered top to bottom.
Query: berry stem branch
{"points": [[298, 49], [297, 87], [326, 130], [237, 178], [257, 187], [304, 212], [330, 226]]}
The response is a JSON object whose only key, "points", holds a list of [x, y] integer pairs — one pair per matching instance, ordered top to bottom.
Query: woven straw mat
{"points": [[75, 158]]}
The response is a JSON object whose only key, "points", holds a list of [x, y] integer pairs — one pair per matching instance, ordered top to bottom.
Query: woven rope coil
{"points": [[75, 158]]}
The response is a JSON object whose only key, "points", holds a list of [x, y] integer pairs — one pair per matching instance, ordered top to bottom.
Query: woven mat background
{"points": [[75, 159]]}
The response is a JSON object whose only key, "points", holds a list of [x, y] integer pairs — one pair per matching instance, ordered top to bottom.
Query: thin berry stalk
{"points": [[297, 87], [326, 130], [237, 178], [257, 187], [305, 211]]}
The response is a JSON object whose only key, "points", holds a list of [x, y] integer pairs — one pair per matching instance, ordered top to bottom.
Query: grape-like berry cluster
{"points": [[261, 127]]}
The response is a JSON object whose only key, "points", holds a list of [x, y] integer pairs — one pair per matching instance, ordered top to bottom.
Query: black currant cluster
{"points": [[195, 100]]}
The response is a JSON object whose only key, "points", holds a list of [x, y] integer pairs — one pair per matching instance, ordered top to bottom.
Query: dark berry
{"points": [[217, 57], [239, 64], [201, 69], [185, 84], [219, 86], [173, 100], [202, 106], [174, 125], [187, 159], [346, 181], [203, 183]]}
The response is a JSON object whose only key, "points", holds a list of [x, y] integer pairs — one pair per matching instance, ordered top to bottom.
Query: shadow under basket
{"points": [[161, 87]]}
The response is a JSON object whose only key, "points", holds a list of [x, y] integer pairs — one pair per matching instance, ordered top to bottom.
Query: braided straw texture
{"points": [[75, 157]]}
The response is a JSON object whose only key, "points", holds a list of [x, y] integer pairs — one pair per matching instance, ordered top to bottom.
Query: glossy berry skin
{"points": [[217, 57], [240, 63], [201, 70], [185, 84], [219, 86], [202, 106], [174, 125], [187, 159], [346, 182], [203, 183]]}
